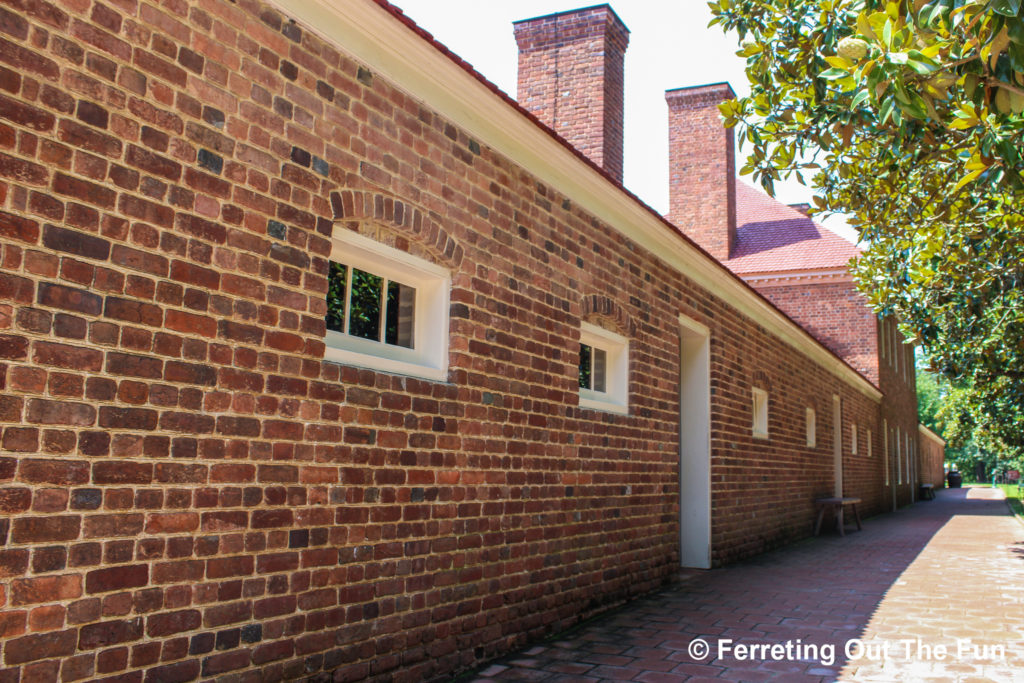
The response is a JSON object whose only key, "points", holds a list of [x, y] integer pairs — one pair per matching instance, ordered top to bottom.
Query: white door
{"points": [[837, 444], [694, 445]]}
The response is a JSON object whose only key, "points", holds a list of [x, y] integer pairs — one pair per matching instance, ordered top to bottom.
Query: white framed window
{"points": [[386, 309], [603, 370], [759, 421], [812, 427], [853, 438], [885, 450], [899, 457]]}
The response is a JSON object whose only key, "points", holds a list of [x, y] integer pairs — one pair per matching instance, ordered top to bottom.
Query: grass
{"points": [[1013, 497]]}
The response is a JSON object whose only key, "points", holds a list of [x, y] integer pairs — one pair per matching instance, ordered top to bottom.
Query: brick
{"points": [[25, 115], [88, 138], [149, 162], [22, 171], [18, 228], [77, 243], [69, 299], [133, 311], [182, 321], [13, 347], [67, 356], [134, 366], [42, 411], [20, 439], [62, 472], [122, 472], [15, 499], [172, 523], [45, 529], [13, 563], [116, 578], [46, 589], [169, 623], [107, 633], [32, 648], [180, 672]]}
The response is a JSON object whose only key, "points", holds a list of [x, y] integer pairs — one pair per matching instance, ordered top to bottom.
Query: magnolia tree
{"points": [[908, 117]]}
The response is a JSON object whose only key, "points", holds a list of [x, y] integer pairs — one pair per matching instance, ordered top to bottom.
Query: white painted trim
{"points": [[370, 34], [775, 278], [428, 358], [616, 398], [759, 413], [811, 427], [694, 444], [837, 445]]}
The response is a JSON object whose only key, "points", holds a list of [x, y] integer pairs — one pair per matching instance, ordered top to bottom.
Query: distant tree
{"points": [[909, 116]]}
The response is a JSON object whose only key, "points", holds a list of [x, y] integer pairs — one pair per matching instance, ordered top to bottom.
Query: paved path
{"points": [[948, 572]]}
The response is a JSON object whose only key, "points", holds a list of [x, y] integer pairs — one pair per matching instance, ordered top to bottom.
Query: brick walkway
{"points": [[948, 572]]}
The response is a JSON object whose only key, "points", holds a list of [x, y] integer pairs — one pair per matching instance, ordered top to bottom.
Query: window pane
{"points": [[337, 281], [364, 313], [399, 321], [584, 366], [600, 372]]}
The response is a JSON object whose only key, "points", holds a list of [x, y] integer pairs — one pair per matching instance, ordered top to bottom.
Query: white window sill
{"points": [[593, 402]]}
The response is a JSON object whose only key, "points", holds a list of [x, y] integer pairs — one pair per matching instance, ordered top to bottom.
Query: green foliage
{"points": [[908, 116]]}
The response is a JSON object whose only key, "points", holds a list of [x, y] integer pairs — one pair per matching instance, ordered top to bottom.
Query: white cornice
{"points": [[373, 36], [780, 278]]}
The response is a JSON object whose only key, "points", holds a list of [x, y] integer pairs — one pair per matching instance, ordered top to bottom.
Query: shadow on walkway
{"points": [[933, 574]]}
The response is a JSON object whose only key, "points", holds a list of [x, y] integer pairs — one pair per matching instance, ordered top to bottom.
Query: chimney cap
{"points": [[581, 10]]}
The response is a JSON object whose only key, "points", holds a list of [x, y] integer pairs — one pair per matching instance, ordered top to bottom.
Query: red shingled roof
{"points": [[772, 237]]}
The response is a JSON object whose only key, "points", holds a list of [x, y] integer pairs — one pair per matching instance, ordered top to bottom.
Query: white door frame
{"points": [[694, 444], [837, 444]]}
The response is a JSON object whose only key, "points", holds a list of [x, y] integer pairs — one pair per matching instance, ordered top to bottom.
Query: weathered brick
{"points": [[25, 115], [18, 228], [73, 242], [69, 299], [13, 347], [67, 356], [42, 411], [45, 529], [116, 578], [46, 589], [107, 633], [32, 648]]}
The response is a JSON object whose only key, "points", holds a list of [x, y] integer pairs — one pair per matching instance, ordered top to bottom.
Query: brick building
{"points": [[803, 268], [319, 354]]}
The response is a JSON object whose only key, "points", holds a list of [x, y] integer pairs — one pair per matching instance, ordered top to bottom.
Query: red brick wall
{"points": [[571, 78], [702, 167], [836, 314], [899, 407], [933, 456], [191, 491]]}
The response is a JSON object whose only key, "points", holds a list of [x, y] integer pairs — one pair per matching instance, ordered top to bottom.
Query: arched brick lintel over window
{"points": [[406, 220], [598, 307]]}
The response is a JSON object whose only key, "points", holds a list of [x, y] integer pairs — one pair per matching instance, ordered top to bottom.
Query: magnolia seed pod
{"points": [[853, 49]]}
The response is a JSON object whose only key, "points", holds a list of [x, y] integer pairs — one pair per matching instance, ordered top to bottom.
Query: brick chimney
{"points": [[571, 78], [702, 167]]}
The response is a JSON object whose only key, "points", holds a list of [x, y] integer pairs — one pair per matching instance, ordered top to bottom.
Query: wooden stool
{"points": [[836, 505]]}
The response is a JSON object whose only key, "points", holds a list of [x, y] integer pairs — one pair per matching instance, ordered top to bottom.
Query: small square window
{"points": [[386, 309], [603, 370], [759, 423], [812, 428]]}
